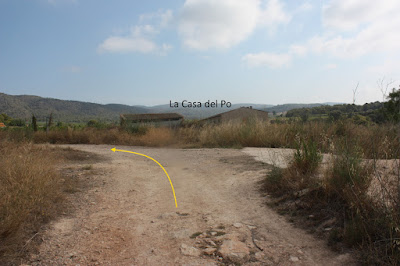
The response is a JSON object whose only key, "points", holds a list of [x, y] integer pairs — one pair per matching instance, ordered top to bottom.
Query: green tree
{"points": [[392, 106], [335, 115], [5, 119], [34, 123], [92, 123]]}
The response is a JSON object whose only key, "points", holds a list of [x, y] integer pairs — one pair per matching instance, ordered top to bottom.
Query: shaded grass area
{"points": [[32, 193]]}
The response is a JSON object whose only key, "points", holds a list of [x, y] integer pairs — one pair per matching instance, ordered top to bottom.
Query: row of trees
{"points": [[376, 112], [8, 121]]}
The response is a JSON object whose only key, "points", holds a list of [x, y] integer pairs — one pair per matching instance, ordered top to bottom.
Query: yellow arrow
{"points": [[173, 191]]}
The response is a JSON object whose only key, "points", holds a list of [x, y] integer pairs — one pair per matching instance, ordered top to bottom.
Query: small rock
{"points": [[311, 216], [237, 225], [251, 227], [328, 229], [213, 233], [203, 235], [210, 242], [234, 249], [190, 251], [209, 251], [300, 251], [72, 255], [259, 255], [294, 259]]}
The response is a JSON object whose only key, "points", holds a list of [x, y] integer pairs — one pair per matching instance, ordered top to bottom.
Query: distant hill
{"points": [[23, 106], [290, 106], [200, 113]]}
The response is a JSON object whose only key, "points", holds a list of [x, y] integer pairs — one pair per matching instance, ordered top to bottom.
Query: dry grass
{"points": [[113, 136], [374, 141], [32, 192], [29, 193], [357, 199]]}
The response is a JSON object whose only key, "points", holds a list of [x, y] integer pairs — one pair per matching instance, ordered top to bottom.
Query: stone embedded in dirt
{"points": [[237, 225], [251, 227], [213, 233], [203, 235], [210, 242], [233, 249], [190, 251], [209, 251], [259, 255], [294, 259]]}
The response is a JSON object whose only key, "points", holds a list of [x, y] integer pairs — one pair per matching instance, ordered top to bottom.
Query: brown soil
{"points": [[128, 216]]}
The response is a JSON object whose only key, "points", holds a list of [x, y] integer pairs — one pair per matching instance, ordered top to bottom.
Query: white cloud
{"points": [[304, 7], [273, 14], [350, 14], [161, 17], [207, 24], [374, 27], [355, 28], [144, 30], [381, 36], [141, 37], [127, 44], [298, 50], [267, 59], [275, 60], [330, 66], [390, 67]]}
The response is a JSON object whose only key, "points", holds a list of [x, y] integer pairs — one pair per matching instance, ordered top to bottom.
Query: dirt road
{"points": [[130, 218]]}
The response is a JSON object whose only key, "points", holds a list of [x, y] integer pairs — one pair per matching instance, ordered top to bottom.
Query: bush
{"points": [[137, 129], [307, 158], [348, 176], [274, 182]]}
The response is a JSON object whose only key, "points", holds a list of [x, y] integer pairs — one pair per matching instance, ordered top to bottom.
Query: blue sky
{"points": [[150, 52]]}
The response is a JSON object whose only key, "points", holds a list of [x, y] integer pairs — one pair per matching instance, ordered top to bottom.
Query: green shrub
{"points": [[137, 129], [307, 157], [348, 176], [274, 182]]}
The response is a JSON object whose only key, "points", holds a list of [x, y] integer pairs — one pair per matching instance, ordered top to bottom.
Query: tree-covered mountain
{"points": [[24, 106], [281, 108], [203, 112], [374, 112]]}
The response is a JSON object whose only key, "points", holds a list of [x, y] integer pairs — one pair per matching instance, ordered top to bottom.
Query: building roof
{"points": [[219, 115], [152, 117], [2, 125]]}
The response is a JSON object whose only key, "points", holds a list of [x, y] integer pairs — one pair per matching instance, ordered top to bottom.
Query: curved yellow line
{"points": [[144, 155]]}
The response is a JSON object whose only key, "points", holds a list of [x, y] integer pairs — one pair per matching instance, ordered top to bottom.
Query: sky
{"points": [[150, 52]]}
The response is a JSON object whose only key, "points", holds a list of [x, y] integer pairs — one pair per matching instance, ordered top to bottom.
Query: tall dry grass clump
{"points": [[252, 133], [146, 136], [29, 192], [357, 197]]}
